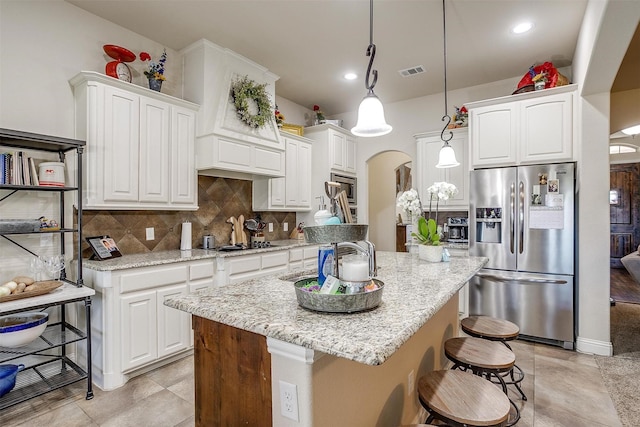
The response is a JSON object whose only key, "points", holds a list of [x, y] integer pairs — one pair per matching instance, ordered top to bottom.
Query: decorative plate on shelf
{"points": [[39, 288]]}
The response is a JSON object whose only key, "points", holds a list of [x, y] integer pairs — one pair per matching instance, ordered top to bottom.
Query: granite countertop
{"points": [[168, 257], [414, 291]]}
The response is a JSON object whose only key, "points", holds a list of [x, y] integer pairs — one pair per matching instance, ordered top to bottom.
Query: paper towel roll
{"points": [[185, 240]]}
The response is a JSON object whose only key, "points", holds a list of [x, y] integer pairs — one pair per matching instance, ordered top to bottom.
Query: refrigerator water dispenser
{"points": [[489, 225]]}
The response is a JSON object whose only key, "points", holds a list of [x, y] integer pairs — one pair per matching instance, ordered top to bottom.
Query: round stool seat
{"points": [[490, 328], [479, 354], [463, 398]]}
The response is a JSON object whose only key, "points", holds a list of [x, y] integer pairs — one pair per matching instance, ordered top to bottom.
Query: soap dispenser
{"points": [[323, 214]]}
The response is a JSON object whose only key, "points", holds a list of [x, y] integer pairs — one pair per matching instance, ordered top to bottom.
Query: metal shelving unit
{"points": [[47, 364]]}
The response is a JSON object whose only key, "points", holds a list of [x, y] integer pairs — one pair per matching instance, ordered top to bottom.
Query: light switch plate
{"points": [[285, 226], [270, 227], [150, 233]]}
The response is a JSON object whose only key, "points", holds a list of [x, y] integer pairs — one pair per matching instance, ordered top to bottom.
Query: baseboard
{"points": [[589, 346]]}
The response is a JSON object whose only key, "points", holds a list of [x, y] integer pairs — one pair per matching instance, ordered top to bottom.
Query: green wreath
{"points": [[242, 91]]}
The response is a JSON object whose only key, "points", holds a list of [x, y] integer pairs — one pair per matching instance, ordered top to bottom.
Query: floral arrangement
{"points": [[156, 69], [244, 89], [319, 114], [279, 117], [409, 201], [427, 230]]}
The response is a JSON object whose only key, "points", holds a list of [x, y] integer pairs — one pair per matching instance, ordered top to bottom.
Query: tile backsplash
{"points": [[218, 200]]}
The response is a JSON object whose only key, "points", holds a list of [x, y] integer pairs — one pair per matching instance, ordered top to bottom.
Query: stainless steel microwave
{"points": [[349, 185]]}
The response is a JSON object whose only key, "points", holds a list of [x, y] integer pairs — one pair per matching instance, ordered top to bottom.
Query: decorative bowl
{"points": [[335, 233], [341, 303], [20, 329], [8, 375]]}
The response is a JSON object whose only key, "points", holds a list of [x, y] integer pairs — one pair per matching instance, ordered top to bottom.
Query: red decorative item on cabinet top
{"points": [[118, 69]]}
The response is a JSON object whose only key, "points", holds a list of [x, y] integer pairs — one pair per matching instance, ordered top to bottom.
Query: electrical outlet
{"points": [[285, 226], [270, 227], [150, 233], [411, 383], [289, 400]]}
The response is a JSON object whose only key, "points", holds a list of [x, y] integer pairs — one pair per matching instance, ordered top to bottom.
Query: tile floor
{"points": [[564, 388]]}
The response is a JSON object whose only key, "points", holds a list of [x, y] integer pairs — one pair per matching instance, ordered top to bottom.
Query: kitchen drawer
{"points": [[295, 255], [275, 259], [243, 264], [201, 270], [152, 277]]}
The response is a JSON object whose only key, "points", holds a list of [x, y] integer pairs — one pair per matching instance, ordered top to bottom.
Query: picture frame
{"points": [[292, 129], [553, 186], [103, 247]]}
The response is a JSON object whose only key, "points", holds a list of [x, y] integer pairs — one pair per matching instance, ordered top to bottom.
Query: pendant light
{"points": [[371, 120], [447, 157]]}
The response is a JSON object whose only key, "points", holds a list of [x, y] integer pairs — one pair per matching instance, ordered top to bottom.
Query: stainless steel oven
{"points": [[349, 185]]}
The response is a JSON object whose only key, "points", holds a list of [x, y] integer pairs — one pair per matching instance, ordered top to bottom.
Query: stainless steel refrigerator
{"points": [[522, 219]]}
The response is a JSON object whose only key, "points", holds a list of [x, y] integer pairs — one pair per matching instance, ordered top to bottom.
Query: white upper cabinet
{"points": [[534, 127], [338, 143], [140, 146], [428, 149], [293, 192]]}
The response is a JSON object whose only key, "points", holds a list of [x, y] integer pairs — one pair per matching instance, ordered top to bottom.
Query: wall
{"points": [[218, 199], [382, 221]]}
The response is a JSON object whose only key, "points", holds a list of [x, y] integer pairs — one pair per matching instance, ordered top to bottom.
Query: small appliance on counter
{"points": [[458, 230]]}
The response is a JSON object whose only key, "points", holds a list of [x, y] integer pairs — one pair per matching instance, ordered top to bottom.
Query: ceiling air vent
{"points": [[418, 69]]}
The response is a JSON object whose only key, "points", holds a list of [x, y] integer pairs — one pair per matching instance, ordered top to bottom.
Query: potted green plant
{"points": [[428, 236], [429, 248]]}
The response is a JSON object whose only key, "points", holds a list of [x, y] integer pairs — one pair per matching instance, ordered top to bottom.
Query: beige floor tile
{"points": [[560, 354], [525, 355], [173, 373], [185, 389], [106, 403], [160, 409], [25, 411], [69, 415], [550, 416], [189, 422]]}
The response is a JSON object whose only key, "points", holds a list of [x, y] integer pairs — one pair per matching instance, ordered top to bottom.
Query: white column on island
{"points": [[293, 364]]}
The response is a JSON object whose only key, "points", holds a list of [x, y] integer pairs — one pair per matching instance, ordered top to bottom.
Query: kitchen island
{"points": [[346, 369]]}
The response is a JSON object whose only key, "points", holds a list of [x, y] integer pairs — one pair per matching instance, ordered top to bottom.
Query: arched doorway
{"points": [[381, 176]]}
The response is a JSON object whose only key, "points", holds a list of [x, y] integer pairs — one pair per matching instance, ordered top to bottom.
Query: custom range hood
{"points": [[225, 145]]}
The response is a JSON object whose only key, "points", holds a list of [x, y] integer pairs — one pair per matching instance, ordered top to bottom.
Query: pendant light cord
{"points": [[371, 53], [446, 116]]}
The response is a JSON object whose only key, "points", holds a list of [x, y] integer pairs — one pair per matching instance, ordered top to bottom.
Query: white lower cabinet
{"points": [[303, 258], [244, 267], [133, 329]]}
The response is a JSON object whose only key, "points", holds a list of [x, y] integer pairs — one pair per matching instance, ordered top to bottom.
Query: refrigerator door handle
{"points": [[521, 218], [512, 225], [500, 279]]}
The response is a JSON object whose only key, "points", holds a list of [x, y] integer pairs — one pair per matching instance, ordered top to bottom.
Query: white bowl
{"points": [[20, 329]]}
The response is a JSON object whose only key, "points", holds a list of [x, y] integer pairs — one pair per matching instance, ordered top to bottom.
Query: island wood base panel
{"points": [[233, 376]]}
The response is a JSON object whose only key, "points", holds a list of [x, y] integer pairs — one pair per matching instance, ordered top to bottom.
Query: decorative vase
{"points": [[155, 84], [430, 253]]}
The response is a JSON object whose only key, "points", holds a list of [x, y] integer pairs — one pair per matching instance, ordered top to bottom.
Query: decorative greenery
{"points": [[156, 69], [243, 90], [427, 232]]}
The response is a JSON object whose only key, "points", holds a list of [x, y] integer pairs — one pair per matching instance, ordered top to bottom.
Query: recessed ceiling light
{"points": [[522, 28], [351, 76], [633, 130]]}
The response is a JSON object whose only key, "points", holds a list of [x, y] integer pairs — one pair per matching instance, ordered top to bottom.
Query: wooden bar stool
{"points": [[494, 329], [483, 358], [460, 398]]}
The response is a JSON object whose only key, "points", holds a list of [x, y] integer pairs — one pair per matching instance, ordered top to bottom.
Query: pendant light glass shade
{"points": [[371, 120], [447, 157]]}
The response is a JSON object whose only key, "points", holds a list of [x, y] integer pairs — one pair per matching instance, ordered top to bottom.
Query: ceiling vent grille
{"points": [[418, 69]]}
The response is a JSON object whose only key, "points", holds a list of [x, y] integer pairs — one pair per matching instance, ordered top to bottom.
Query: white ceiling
{"points": [[310, 44]]}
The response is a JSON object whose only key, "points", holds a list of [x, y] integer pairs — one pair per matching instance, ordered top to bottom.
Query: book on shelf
{"points": [[18, 168]]}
